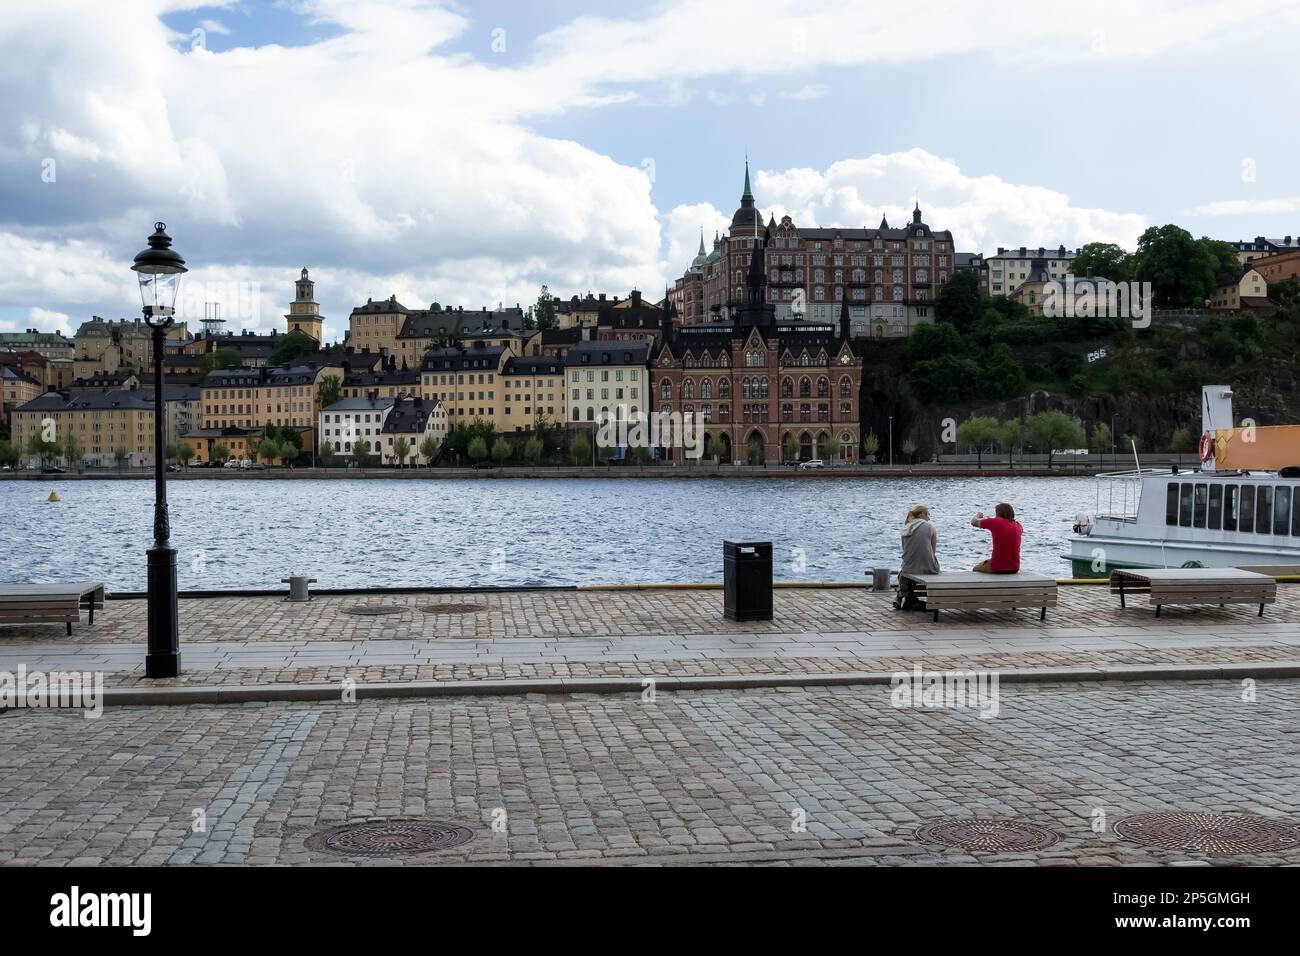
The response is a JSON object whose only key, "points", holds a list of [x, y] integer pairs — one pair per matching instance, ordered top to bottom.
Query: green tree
{"points": [[1102, 260], [1183, 271], [960, 300], [544, 311], [290, 346], [220, 359], [327, 391], [1049, 431], [978, 432], [1009, 436], [1100, 437], [1182, 442], [870, 445], [713, 447], [39, 448], [429, 448], [789, 448], [268, 449], [401, 449], [477, 449], [533, 449], [831, 449], [72, 450], [172, 450], [287, 450], [501, 450], [580, 450], [909, 450], [754, 451], [186, 452], [220, 453], [361, 453], [325, 454], [9, 455]]}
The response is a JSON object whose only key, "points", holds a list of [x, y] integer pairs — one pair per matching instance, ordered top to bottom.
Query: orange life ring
{"points": [[1207, 446]]}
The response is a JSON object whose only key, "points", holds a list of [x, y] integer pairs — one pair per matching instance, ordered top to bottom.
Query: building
{"points": [[1248, 251], [1279, 266], [1005, 271], [888, 276], [1243, 289], [304, 312], [581, 312], [632, 320], [376, 325], [408, 334], [556, 342], [49, 345], [103, 345], [606, 379], [465, 380], [387, 381], [759, 382], [16, 388], [532, 392], [249, 399], [415, 421], [105, 423], [351, 424]]}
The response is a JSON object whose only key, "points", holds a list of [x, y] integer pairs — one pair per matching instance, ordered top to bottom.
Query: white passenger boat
{"points": [[1242, 509]]}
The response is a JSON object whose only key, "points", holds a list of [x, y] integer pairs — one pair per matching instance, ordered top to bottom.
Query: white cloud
{"points": [[214, 26], [809, 91], [1246, 207], [49, 321]]}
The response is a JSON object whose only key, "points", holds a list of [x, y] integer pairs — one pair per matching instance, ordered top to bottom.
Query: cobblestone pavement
{"points": [[698, 777]]}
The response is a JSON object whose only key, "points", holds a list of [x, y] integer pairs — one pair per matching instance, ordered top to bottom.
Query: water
{"points": [[393, 532]]}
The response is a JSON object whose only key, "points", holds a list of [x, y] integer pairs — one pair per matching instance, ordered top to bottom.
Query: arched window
{"points": [[898, 293], [805, 387], [846, 387], [724, 388], [762, 388], [787, 388], [823, 388], [706, 389], [744, 389], [666, 390], [688, 390]]}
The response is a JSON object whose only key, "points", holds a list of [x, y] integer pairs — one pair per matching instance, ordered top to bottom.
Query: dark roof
{"points": [[382, 307], [430, 323], [561, 336], [608, 353], [485, 357], [534, 365], [9, 373], [399, 376], [252, 377], [360, 404], [409, 416]]}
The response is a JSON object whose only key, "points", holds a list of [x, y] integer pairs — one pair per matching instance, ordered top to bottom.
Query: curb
{"points": [[235, 694]]}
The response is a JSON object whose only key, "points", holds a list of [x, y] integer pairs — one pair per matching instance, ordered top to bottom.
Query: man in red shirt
{"points": [[1006, 532]]}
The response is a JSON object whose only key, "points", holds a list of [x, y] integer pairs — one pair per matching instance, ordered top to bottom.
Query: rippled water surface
{"points": [[389, 532]]}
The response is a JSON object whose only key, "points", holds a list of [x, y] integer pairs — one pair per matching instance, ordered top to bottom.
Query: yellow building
{"points": [[1234, 291], [304, 312], [376, 325], [437, 327], [467, 381], [16, 388], [532, 392], [255, 397], [101, 421]]}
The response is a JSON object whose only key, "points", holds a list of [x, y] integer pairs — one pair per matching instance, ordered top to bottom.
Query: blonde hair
{"points": [[917, 513]]}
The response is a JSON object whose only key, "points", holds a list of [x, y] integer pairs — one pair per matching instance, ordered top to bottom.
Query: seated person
{"points": [[1006, 532], [920, 541]]}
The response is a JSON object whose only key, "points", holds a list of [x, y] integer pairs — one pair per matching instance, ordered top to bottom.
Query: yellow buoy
{"points": [[54, 496]]}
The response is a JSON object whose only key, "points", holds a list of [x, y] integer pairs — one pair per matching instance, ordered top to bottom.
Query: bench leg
{"points": [[1121, 593], [1157, 610], [1261, 610], [92, 613], [1042, 615], [936, 616], [69, 628]]}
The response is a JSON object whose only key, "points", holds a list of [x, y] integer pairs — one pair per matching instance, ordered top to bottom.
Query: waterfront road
{"points": [[804, 776]]}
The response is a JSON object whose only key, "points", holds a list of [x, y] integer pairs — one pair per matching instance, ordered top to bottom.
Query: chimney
{"points": [[1001, 250], [1022, 252], [636, 297]]}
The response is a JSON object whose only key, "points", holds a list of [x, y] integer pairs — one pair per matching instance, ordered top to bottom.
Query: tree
{"points": [[1102, 260], [1183, 271], [960, 299], [544, 311], [290, 346], [220, 359], [327, 391], [1054, 430], [979, 432], [1009, 436], [1100, 437], [1182, 442], [870, 445], [38, 447], [713, 447], [429, 448], [789, 448], [72, 449], [401, 449], [477, 449], [533, 449], [831, 449], [909, 449], [268, 450], [288, 450], [501, 450], [580, 450], [172, 451], [754, 451], [186, 452], [220, 452], [361, 453], [325, 454]]}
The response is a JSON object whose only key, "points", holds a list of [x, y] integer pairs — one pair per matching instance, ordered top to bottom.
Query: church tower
{"points": [[304, 312]]}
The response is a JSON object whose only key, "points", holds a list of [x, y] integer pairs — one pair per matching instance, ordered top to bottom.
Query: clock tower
{"points": [[304, 312]]}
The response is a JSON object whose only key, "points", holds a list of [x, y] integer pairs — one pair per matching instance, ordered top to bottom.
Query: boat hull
{"points": [[1095, 556]]}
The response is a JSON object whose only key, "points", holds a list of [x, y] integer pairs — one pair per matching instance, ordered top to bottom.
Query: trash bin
{"points": [[880, 579], [747, 580]]}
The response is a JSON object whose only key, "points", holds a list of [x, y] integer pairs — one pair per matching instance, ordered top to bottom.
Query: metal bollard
{"points": [[880, 579], [298, 590]]}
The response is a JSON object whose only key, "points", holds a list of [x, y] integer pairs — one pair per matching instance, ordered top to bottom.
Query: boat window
{"points": [[1171, 503], [1185, 505], [1216, 506], [1229, 507], [1198, 510], [1264, 510], [1282, 510], [1295, 515], [1246, 516]]}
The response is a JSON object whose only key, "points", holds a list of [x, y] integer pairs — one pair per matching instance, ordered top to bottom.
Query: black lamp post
{"points": [[159, 269]]}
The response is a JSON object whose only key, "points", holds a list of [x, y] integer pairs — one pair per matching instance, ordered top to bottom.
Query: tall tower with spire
{"points": [[304, 312]]}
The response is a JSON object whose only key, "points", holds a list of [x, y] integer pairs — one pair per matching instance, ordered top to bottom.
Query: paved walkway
{"points": [[504, 635], [722, 777]]}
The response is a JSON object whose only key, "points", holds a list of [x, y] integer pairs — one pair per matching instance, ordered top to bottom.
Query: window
{"points": [[1185, 505], [1198, 505], [1216, 506], [1230, 508], [1282, 510], [1264, 511], [1246, 516]]}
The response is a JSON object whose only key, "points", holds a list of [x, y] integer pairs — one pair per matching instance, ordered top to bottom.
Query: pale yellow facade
{"points": [[101, 424]]}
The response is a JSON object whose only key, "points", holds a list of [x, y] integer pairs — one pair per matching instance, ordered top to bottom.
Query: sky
{"points": [[468, 153]]}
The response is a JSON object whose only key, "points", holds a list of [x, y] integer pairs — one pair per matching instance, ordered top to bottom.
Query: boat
{"points": [[1240, 509]]}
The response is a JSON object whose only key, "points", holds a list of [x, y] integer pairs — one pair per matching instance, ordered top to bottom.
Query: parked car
{"points": [[198, 463], [245, 464], [812, 464], [231, 465], [256, 466], [173, 467], [53, 470]]}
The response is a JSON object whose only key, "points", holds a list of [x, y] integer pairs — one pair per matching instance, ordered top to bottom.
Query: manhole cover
{"points": [[451, 608], [372, 610], [1208, 832], [989, 836], [391, 838]]}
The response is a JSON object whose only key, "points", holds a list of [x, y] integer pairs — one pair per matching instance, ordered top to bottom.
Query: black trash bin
{"points": [[747, 580]]}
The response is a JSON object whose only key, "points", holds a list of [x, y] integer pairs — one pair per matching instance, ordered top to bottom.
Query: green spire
{"points": [[747, 194], [701, 240]]}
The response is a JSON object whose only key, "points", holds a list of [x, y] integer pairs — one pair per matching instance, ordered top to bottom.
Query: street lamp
{"points": [[159, 269], [891, 441], [1113, 456]]}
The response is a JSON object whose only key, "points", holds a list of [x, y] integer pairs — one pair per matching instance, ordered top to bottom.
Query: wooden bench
{"points": [[1195, 586], [974, 591], [50, 603]]}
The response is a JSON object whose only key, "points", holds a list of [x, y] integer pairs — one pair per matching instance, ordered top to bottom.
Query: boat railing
{"points": [[1119, 495]]}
